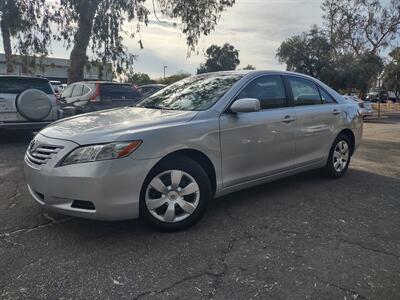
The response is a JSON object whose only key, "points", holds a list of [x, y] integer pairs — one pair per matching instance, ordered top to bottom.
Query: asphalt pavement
{"points": [[303, 237]]}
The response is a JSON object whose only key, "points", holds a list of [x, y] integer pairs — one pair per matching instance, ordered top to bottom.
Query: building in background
{"points": [[53, 68]]}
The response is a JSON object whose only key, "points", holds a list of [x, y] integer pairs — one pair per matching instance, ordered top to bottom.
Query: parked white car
{"points": [[202, 137]]}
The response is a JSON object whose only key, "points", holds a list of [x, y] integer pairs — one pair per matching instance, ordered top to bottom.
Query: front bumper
{"points": [[112, 186]]}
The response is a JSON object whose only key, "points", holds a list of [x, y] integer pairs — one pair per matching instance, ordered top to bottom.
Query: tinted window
{"points": [[15, 85], [78, 89], [268, 89], [85, 90], [118, 91], [147, 91], [304, 91], [67, 92], [193, 93], [326, 98]]}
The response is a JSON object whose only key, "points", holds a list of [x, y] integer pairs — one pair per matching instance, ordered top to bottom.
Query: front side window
{"points": [[268, 89], [67, 92], [304, 92], [193, 93], [326, 98]]}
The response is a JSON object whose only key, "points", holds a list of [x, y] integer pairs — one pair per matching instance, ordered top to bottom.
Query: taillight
{"points": [[96, 96]]}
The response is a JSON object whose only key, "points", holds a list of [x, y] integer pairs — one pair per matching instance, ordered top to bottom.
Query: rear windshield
{"points": [[9, 85], [118, 91]]}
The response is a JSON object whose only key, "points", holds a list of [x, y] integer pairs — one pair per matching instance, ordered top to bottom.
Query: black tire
{"points": [[329, 169], [199, 175]]}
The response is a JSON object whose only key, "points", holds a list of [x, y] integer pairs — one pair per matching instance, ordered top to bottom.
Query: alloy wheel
{"points": [[341, 156], [172, 196]]}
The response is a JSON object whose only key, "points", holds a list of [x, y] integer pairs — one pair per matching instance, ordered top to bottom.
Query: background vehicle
{"points": [[57, 88], [149, 89], [376, 95], [87, 96], [392, 96], [27, 102], [364, 107], [204, 136]]}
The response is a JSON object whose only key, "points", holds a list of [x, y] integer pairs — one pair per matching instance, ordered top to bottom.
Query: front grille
{"points": [[41, 154]]}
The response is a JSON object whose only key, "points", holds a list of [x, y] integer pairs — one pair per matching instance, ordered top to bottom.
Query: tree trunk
{"points": [[87, 11], [5, 33]]}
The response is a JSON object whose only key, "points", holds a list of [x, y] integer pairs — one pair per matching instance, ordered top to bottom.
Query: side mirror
{"points": [[245, 105]]}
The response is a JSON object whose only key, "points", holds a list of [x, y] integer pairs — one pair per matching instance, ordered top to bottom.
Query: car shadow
{"points": [[10, 137], [287, 202]]}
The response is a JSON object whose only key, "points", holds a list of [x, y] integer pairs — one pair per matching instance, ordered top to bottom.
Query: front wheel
{"points": [[339, 157], [175, 194]]}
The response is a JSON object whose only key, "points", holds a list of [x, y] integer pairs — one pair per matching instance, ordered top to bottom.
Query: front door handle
{"points": [[336, 112], [288, 119]]}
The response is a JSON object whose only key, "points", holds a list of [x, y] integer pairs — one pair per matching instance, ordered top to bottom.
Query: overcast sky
{"points": [[255, 27]]}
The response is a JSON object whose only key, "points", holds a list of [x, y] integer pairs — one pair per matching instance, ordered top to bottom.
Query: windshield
{"points": [[193, 93]]}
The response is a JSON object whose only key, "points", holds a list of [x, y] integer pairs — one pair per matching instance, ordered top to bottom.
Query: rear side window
{"points": [[15, 85], [268, 89], [85, 90], [118, 92], [304, 92]]}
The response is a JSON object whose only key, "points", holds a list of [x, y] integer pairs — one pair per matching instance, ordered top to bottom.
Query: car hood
{"points": [[109, 125]]}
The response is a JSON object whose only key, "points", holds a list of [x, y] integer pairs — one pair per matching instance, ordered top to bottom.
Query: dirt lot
{"points": [[301, 237]]}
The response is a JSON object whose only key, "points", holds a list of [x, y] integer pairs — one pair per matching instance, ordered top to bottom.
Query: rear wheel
{"points": [[339, 157], [175, 194]]}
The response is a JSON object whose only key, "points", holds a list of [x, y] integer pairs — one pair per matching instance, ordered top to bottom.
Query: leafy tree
{"points": [[28, 21], [98, 25], [361, 25], [309, 53], [312, 54], [223, 58], [249, 67], [356, 72], [391, 75], [173, 78], [139, 79]]}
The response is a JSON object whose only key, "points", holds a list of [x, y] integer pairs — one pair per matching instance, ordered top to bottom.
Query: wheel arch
{"points": [[202, 159]]}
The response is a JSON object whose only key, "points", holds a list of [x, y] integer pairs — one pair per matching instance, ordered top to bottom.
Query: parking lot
{"points": [[304, 237]]}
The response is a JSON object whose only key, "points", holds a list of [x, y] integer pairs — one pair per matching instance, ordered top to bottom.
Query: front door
{"points": [[257, 144]]}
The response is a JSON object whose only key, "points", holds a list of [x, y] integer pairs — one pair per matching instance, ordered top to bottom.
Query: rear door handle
{"points": [[336, 112], [288, 119]]}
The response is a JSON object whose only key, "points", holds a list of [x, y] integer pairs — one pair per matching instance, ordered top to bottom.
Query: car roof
{"points": [[23, 77], [101, 82]]}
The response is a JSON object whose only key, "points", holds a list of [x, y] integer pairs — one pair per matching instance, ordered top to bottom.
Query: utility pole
{"points": [[165, 67]]}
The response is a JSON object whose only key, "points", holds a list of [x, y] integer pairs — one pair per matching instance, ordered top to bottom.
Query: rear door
{"points": [[118, 95], [318, 117]]}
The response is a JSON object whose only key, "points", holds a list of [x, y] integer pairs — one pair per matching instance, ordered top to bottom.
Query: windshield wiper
{"points": [[153, 106]]}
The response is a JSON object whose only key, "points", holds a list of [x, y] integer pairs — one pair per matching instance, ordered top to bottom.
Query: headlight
{"points": [[101, 152]]}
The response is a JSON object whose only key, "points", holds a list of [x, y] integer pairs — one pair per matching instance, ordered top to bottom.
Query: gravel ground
{"points": [[304, 237]]}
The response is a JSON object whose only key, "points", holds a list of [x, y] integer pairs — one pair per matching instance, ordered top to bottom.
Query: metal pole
{"points": [[164, 70]]}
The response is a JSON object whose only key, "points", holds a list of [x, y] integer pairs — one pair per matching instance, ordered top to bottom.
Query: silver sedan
{"points": [[200, 138]]}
